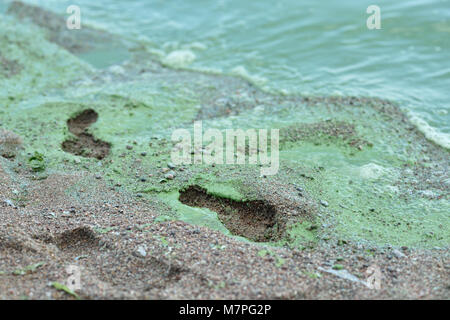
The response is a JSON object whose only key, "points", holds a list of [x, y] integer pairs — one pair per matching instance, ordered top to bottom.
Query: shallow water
{"points": [[306, 47]]}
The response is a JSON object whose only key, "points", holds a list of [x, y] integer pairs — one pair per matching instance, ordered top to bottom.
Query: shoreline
{"points": [[358, 186]]}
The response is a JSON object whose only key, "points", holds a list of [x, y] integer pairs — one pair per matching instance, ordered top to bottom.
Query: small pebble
{"points": [[171, 165], [169, 176], [10, 203], [324, 203], [141, 250], [398, 254], [338, 267]]}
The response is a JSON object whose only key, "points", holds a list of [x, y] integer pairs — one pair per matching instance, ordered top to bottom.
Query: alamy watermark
{"points": [[74, 20], [374, 20], [231, 148]]}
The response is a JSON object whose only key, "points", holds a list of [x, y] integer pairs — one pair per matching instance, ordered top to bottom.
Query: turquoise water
{"points": [[302, 47]]}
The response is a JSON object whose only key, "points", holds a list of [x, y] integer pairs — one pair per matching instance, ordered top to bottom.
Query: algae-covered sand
{"points": [[87, 180]]}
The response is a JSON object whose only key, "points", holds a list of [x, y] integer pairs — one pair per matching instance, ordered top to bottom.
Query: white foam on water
{"points": [[195, 46], [179, 58], [117, 69], [208, 70], [240, 71], [440, 138]]}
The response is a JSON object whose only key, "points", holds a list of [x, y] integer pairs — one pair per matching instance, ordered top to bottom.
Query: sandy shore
{"points": [[87, 184], [123, 253]]}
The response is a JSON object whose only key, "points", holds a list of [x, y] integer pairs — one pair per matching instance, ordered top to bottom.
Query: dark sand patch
{"points": [[8, 67], [81, 122], [344, 131], [9, 143], [85, 145], [255, 220], [77, 238]]}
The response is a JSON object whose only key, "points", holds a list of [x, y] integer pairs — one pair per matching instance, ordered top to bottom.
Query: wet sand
{"points": [[71, 208]]}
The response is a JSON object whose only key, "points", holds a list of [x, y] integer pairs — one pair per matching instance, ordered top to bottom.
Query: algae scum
{"points": [[351, 168]]}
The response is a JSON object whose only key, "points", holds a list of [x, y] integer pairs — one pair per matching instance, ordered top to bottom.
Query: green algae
{"points": [[42, 65], [37, 162], [360, 171], [224, 190], [367, 207], [197, 216], [302, 234], [298, 235], [338, 267], [28, 269], [61, 287]]}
